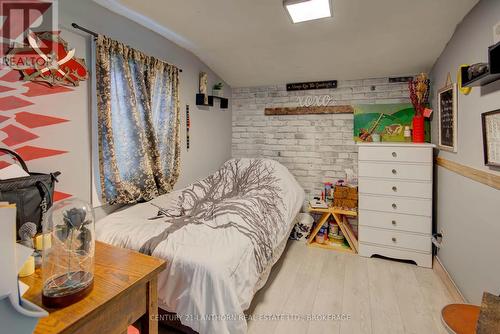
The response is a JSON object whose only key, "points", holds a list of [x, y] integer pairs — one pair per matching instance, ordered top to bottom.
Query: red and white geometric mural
{"points": [[48, 126], [19, 127]]}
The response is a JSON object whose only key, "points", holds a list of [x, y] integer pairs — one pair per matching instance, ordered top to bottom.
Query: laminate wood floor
{"points": [[314, 291]]}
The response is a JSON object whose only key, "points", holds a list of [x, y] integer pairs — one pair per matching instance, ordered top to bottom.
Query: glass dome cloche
{"points": [[68, 253]]}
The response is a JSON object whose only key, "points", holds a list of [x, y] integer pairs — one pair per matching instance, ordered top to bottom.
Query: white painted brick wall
{"points": [[315, 148]]}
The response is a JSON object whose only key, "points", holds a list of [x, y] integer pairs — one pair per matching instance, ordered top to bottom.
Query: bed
{"points": [[220, 237]]}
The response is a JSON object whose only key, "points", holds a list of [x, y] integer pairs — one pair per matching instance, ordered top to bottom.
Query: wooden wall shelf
{"points": [[493, 73], [481, 80], [200, 101], [309, 110]]}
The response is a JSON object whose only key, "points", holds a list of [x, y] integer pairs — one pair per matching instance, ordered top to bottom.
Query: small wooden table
{"points": [[340, 216], [125, 290]]}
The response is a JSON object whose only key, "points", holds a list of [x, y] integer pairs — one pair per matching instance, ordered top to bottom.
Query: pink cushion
{"points": [[132, 330]]}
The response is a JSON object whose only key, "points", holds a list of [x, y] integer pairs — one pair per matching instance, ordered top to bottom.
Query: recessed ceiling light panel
{"points": [[307, 10]]}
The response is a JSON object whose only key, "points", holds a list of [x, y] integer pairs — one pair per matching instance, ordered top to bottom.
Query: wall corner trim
{"points": [[448, 282]]}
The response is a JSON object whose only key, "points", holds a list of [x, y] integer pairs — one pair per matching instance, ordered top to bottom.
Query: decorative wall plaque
{"points": [[312, 85]]}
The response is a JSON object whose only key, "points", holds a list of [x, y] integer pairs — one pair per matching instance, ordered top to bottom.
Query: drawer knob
{"points": [[394, 154], [394, 171], [394, 188], [394, 206], [394, 222], [394, 239]]}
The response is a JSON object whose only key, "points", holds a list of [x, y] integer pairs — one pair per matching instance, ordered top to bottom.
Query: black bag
{"points": [[32, 194]]}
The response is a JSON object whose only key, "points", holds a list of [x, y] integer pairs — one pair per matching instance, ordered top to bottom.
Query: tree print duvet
{"points": [[218, 236]]}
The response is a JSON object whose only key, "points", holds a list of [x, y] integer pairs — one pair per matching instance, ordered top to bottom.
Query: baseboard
{"points": [[450, 285]]}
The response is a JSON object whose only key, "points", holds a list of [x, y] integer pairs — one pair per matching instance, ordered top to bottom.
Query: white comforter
{"points": [[218, 237]]}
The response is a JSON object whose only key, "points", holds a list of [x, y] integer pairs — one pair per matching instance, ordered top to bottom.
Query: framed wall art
{"points": [[204, 86], [447, 112], [385, 121], [491, 137]]}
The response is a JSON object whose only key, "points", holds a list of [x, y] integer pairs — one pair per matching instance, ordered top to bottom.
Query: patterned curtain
{"points": [[138, 123]]}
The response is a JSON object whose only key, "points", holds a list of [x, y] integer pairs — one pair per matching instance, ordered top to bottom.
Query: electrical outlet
{"points": [[496, 33]]}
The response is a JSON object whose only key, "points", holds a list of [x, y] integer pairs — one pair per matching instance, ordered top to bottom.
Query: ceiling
{"points": [[253, 42]]}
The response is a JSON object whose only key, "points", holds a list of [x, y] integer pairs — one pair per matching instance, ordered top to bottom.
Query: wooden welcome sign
{"points": [[309, 110]]}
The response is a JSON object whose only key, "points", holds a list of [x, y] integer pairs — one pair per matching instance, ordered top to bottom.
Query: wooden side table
{"points": [[340, 216], [125, 290]]}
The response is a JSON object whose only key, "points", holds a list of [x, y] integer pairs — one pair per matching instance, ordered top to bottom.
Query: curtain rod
{"points": [[90, 32]]}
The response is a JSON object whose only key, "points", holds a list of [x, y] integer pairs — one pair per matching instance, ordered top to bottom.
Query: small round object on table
{"points": [[460, 318], [132, 330]]}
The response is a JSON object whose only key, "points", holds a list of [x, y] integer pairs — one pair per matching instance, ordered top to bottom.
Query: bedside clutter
{"points": [[395, 201]]}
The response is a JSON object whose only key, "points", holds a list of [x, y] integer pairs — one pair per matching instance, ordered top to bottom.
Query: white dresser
{"points": [[395, 201]]}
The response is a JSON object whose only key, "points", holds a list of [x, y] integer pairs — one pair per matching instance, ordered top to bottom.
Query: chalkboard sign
{"points": [[311, 85], [447, 104]]}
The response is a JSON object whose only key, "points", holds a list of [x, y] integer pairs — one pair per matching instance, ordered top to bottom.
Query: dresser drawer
{"points": [[396, 154], [395, 171], [395, 187], [422, 207], [395, 221], [395, 239], [422, 259]]}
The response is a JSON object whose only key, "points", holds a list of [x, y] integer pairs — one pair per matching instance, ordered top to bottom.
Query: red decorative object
{"points": [[45, 58], [12, 76], [5, 89], [35, 89], [419, 93], [419, 96], [12, 102], [32, 121], [418, 129], [16, 135], [29, 152], [59, 196], [132, 330]]}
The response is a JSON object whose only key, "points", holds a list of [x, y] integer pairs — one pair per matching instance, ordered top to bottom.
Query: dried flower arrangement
{"points": [[419, 93], [419, 96]]}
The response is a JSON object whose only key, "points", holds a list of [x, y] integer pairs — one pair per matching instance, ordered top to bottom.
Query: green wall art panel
{"points": [[387, 120]]}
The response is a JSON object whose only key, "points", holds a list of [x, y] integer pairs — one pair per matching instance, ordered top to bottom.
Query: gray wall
{"points": [[210, 128], [469, 212]]}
